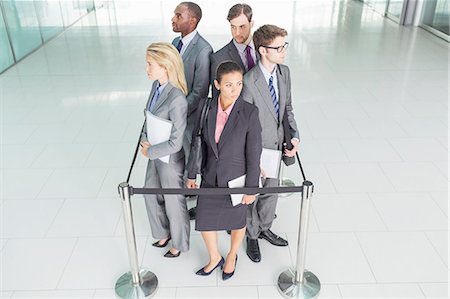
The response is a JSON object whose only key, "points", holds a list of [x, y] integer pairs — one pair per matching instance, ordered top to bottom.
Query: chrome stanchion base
{"points": [[285, 182], [309, 288], [125, 289]]}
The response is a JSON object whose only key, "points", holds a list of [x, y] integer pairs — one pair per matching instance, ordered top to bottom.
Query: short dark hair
{"points": [[239, 9], [194, 10], [265, 34], [227, 67]]}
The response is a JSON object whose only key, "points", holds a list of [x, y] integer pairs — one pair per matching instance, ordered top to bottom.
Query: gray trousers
{"points": [[187, 138], [167, 214], [260, 214]]}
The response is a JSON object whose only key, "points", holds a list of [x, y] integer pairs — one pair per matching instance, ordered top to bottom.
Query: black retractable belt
{"points": [[135, 153]]}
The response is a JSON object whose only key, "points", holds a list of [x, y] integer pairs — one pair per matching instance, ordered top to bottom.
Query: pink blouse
{"points": [[222, 117]]}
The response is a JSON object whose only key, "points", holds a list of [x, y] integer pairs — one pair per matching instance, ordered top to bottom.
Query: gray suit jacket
{"points": [[196, 70], [256, 91], [172, 106], [239, 149]]}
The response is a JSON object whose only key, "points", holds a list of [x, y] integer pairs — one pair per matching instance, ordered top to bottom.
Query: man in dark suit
{"points": [[241, 48], [195, 52], [268, 86]]}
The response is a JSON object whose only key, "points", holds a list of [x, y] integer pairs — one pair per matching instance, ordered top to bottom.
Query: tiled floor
{"points": [[371, 102]]}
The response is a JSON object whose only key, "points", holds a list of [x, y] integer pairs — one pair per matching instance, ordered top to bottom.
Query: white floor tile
{"points": [[344, 111], [385, 112], [374, 128], [416, 128], [331, 129], [102, 132], [16, 134], [50, 134], [369, 150], [420, 150], [322, 151], [111, 155], [19, 156], [57, 156], [314, 172], [115, 176], [359, 177], [409, 177], [15, 180], [74, 183], [441, 198], [409, 212], [346, 213], [28, 218], [100, 218], [140, 218], [440, 240], [402, 257], [334, 258], [101, 260], [34, 264], [435, 290], [327, 291], [392, 291], [248, 292], [161, 293], [75, 294], [5, 295]]}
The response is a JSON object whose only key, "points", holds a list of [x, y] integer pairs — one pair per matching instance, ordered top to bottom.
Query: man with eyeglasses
{"points": [[268, 86]]}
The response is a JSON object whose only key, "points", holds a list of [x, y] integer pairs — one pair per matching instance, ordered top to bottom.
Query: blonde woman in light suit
{"points": [[167, 214]]}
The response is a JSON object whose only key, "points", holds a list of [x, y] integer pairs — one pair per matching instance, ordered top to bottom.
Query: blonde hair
{"points": [[167, 56]]}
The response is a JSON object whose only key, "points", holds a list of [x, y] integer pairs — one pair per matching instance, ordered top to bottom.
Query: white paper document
{"points": [[158, 131], [270, 162], [238, 182]]}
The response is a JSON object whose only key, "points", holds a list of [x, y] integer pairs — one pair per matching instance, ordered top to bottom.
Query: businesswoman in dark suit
{"points": [[232, 139], [167, 214]]}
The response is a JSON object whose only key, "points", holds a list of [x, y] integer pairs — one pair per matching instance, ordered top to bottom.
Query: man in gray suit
{"points": [[241, 48], [195, 52], [268, 86]]}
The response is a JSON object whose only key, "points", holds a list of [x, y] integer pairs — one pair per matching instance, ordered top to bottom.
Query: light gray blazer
{"points": [[196, 70], [256, 91], [172, 106]]}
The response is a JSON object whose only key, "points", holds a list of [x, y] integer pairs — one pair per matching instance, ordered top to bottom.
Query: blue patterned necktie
{"points": [[179, 46], [154, 98], [276, 104]]}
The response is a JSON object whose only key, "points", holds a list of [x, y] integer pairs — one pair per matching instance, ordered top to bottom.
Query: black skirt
{"points": [[215, 212]]}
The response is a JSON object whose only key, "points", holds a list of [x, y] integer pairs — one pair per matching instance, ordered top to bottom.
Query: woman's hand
{"points": [[145, 145], [262, 173], [190, 184], [248, 199]]}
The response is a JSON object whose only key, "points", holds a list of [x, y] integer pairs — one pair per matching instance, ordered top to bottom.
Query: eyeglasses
{"points": [[280, 48]]}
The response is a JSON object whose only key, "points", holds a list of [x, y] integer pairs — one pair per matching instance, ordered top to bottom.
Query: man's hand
{"points": [[291, 153]]}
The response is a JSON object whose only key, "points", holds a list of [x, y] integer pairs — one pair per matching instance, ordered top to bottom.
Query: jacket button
{"points": [[276, 143]]}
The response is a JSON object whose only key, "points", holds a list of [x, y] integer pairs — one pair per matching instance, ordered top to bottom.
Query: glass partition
{"points": [[436, 15], [49, 16], [6, 55]]}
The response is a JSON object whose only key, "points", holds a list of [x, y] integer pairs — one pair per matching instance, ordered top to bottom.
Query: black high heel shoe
{"points": [[156, 244], [170, 254], [202, 271], [226, 275]]}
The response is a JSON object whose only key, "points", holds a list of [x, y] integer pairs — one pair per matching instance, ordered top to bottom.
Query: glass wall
{"points": [[436, 15], [26, 24], [6, 55]]}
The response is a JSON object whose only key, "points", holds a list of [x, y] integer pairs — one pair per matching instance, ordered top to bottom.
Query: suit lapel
{"points": [[191, 45], [234, 54], [263, 88], [282, 91], [163, 96], [231, 122], [211, 124]]}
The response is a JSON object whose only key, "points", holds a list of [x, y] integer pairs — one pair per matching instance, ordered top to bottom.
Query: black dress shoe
{"points": [[192, 213], [229, 232], [272, 238], [156, 244], [253, 250], [170, 254], [202, 271], [226, 275]]}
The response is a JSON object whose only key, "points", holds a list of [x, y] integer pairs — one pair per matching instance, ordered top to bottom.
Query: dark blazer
{"points": [[228, 52], [239, 149]]}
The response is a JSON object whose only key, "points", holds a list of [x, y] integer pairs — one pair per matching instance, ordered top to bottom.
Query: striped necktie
{"points": [[155, 98], [276, 104]]}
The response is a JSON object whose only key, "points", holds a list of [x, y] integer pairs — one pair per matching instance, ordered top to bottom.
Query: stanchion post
{"points": [[284, 181], [298, 282], [135, 283]]}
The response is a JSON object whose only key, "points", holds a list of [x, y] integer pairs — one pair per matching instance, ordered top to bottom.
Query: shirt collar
{"points": [[188, 38], [241, 47], [266, 73], [228, 110]]}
